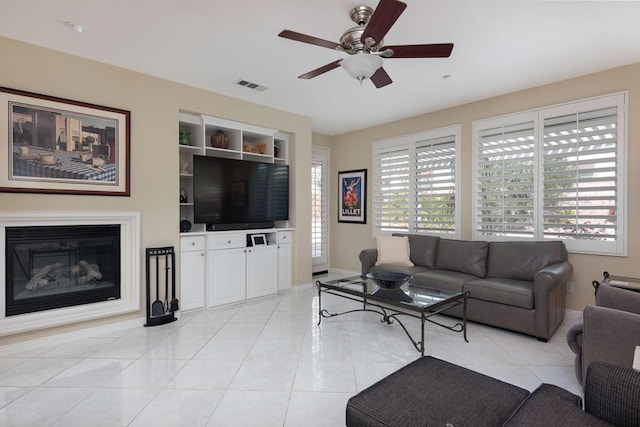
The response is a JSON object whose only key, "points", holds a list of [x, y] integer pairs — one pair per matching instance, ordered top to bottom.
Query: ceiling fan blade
{"points": [[383, 18], [299, 37], [441, 50], [315, 73], [380, 78]]}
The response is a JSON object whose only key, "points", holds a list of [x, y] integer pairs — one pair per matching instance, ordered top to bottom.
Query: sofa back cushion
{"points": [[423, 249], [462, 255], [522, 260]]}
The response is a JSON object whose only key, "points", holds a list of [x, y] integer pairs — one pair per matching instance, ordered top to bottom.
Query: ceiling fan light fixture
{"points": [[361, 66]]}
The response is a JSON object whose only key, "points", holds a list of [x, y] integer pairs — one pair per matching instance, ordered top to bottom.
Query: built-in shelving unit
{"points": [[246, 142], [218, 268]]}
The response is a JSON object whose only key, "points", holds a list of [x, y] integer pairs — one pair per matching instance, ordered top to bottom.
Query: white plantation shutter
{"points": [[392, 172], [581, 173], [559, 174], [505, 181], [414, 183], [435, 185], [320, 209]]}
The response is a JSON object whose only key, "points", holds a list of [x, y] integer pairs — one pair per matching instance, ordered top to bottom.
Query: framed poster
{"points": [[55, 145], [352, 206]]}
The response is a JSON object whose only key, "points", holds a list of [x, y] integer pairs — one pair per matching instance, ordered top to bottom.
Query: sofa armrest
{"points": [[368, 258], [551, 276], [550, 297], [618, 298], [609, 336], [574, 337], [574, 340], [612, 393]]}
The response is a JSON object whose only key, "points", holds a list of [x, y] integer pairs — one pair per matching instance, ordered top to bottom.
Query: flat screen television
{"points": [[235, 194]]}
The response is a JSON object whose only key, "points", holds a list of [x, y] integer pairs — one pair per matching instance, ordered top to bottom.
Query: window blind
{"points": [[392, 171], [554, 173], [580, 175], [415, 180], [505, 180], [435, 185], [318, 211]]}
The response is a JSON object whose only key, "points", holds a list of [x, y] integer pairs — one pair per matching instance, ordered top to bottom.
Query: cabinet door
{"points": [[285, 263], [262, 271], [226, 276], [191, 280]]}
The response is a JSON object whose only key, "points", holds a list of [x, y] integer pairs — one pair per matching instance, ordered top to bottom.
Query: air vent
{"points": [[251, 85]]}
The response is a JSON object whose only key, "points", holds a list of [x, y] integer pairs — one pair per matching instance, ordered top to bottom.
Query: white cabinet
{"points": [[285, 260], [236, 272], [192, 273], [262, 273], [226, 276]]}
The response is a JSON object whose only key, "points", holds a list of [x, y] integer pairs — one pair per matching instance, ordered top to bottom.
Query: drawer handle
{"points": [[229, 241], [193, 243]]}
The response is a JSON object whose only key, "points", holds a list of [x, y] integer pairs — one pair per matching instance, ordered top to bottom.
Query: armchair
{"points": [[609, 331]]}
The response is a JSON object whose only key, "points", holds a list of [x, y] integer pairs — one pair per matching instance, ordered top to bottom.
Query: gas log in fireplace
{"points": [[50, 267]]}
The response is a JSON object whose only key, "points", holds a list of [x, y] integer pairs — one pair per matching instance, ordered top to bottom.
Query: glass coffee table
{"points": [[419, 302]]}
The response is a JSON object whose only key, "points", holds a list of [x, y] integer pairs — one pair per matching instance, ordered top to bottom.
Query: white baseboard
{"points": [[70, 336]]}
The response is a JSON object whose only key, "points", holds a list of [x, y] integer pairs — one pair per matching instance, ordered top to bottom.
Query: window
{"points": [[555, 173], [414, 183], [319, 209]]}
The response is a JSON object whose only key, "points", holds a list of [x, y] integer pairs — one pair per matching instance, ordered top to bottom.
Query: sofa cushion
{"points": [[423, 249], [393, 250], [462, 255], [522, 260], [442, 279], [517, 293], [433, 392], [550, 405]]}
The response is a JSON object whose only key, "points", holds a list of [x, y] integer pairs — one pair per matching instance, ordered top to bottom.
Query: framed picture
{"points": [[55, 145], [352, 206], [258, 240]]}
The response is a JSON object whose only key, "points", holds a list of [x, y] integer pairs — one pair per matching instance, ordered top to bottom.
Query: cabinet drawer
{"points": [[285, 237], [227, 241], [195, 243]]}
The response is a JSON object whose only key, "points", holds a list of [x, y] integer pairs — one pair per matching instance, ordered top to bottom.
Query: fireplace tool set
{"points": [[161, 284]]}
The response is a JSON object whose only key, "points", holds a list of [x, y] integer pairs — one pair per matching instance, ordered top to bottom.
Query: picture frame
{"points": [[61, 146], [352, 203], [258, 240]]}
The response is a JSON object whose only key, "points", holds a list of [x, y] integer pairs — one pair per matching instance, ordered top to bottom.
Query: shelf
{"points": [[189, 149], [223, 152], [186, 175], [186, 204]]}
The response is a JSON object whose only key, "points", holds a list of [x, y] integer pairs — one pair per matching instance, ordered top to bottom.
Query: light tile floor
{"points": [[263, 363]]}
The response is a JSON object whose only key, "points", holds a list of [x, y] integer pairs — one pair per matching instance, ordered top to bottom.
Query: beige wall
{"points": [[154, 105], [353, 151]]}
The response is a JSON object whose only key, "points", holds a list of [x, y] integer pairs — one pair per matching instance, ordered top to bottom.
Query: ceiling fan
{"points": [[364, 44]]}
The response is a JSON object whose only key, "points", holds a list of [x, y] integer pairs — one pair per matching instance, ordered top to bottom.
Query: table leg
{"points": [[319, 302], [464, 315], [422, 318]]}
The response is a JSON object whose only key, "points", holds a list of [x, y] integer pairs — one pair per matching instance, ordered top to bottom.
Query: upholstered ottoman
{"points": [[432, 392]]}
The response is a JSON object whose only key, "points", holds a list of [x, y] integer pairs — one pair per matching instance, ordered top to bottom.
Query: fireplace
{"points": [[50, 267], [59, 268]]}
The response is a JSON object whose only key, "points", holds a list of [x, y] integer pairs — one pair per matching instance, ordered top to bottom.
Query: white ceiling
{"points": [[500, 47]]}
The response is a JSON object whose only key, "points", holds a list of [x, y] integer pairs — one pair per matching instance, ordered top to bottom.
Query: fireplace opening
{"points": [[50, 267]]}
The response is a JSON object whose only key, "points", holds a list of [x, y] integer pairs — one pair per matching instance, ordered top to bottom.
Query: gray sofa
{"points": [[518, 286], [608, 332], [433, 392]]}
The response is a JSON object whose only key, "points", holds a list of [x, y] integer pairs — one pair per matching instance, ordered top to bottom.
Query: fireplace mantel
{"points": [[129, 260]]}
